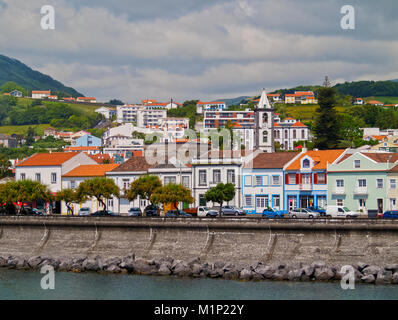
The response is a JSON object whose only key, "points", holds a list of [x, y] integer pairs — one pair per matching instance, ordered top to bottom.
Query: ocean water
{"points": [[26, 285]]}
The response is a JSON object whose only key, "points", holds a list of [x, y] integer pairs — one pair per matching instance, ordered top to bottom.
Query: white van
{"points": [[340, 212]]}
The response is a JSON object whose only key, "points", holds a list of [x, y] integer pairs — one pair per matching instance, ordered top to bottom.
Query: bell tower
{"points": [[264, 124]]}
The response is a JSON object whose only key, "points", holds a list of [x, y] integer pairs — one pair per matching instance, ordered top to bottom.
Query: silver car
{"points": [[84, 211], [303, 213]]}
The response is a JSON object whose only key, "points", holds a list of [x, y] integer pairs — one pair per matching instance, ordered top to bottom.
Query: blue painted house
{"points": [[87, 140], [263, 182]]}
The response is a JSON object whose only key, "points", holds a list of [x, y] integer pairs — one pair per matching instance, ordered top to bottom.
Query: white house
{"points": [[40, 94], [106, 112]]}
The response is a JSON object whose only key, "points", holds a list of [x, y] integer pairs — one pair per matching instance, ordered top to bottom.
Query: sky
{"points": [[200, 49]]}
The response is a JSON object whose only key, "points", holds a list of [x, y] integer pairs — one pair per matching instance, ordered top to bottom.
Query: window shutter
{"points": [[286, 178], [297, 178], [315, 178], [326, 178]]}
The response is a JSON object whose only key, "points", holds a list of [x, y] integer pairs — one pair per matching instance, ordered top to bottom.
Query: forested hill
{"points": [[16, 71], [369, 88]]}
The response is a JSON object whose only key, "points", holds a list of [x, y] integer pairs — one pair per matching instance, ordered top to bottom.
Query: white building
{"points": [[41, 94], [201, 107], [106, 112], [139, 115], [289, 131]]}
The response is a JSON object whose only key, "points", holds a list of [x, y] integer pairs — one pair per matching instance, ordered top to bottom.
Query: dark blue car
{"points": [[320, 210], [272, 213], [177, 214], [392, 214]]}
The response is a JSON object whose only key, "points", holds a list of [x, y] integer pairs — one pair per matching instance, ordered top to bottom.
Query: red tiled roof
{"points": [[299, 124], [81, 148], [322, 157], [47, 159], [91, 170]]}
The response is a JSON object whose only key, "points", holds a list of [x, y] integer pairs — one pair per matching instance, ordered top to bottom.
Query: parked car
{"points": [[151, 210], [320, 210], [31, 211], [85, 211], [202, 211], [232, 211], [134, 212], [340, 212], [104, 213], [212, 213], [272, 213], [303, 213], [177, 214], [391, 214]]}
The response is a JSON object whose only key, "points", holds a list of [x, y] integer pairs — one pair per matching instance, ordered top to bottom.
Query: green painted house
{"points": [[361, 182]]}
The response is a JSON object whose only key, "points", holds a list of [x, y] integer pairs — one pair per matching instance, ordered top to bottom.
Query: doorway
{"points": [[380, 205]]}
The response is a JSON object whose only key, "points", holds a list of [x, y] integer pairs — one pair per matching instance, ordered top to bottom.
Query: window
{"points": [[265, 118], [286, 134], [294, 134], [303, 134], [265, 136], [306, 163], [357, 163], [23, 176], [216, 176], [231, 176], [38, 177], [53, 177], [202, 177], [292, 178], [321, 178], [168, 180], [259, 180], [276, 180], [185, 181], [248, 181], [340, 183], [362, 183], [379, 183], [73, 184], [126, 184], [393, 184], [248, 200], [202, 201], [276, 201], [339, 202], [362, 203]]}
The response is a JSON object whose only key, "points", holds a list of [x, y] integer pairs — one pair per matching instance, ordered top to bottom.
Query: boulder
{"points": [[193, 261], [3, 262], [34, 262], [112, 262], [17, 263], [65, 264], [127, 264], [318, 264], [90, 265], [218, 265], [142, 266], [360, 266], [77, 267], [391, 267], [113, 268], [164, 269], [196, 269], [182, 270], [374, 270], [266, 271], [307, 272], [216, 273], [231, 274], [245, 274], [280, 274], [324, 274], [295, 275], [384, 277], [395, 278], [368, 279]]}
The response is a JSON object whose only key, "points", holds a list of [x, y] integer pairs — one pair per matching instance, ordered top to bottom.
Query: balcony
{"points": [[305, 187], [339, 190], [361, 191]]}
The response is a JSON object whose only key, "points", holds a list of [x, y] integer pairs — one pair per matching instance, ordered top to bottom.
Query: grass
{"points": [[385, 100], [307, 112], [9, 130]]}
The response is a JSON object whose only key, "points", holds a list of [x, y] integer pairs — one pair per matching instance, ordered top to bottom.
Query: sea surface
{"points": [[26, 285]]}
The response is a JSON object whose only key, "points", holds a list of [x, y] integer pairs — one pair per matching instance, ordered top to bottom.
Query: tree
{"points": [[11, 86], [116, 102], [327, 126], [30, 136], [5, 166], [144, 187], [99, 188], [172, 193], [220, 194], [69, 196]]}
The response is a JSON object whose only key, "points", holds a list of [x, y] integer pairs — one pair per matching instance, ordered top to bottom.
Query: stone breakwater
{"points": [[316, 271]]}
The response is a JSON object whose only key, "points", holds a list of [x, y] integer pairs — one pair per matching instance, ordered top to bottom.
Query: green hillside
{"points": [[16, 71]]}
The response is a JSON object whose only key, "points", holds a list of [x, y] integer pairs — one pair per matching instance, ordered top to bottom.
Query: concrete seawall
{"points": [[235, 240]]}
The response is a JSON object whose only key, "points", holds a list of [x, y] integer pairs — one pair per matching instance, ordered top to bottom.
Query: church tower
{"points": [[264, 124]]}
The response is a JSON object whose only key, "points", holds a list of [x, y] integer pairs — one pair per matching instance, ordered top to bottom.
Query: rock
{"points": [[79, 259], [193, 261], [3, 262], [34, 262], [111, 262], [17, 263], [175, 263], [65, 264], [318, 264], [90, 265], [127, 265], [218, 265], [142, 266], [229, 266], [360, 266], [77, 267], [392, 267], [113, 268], [164, 270], [182, 270], [196, 270], [371, 270], [266, 272], [307, 272], [216, 273], [231, 274], [245, 274], [280, 274], [324, 274], [295, 275], [256, 276], [384, 277], [395, 278], [368, 279]]}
